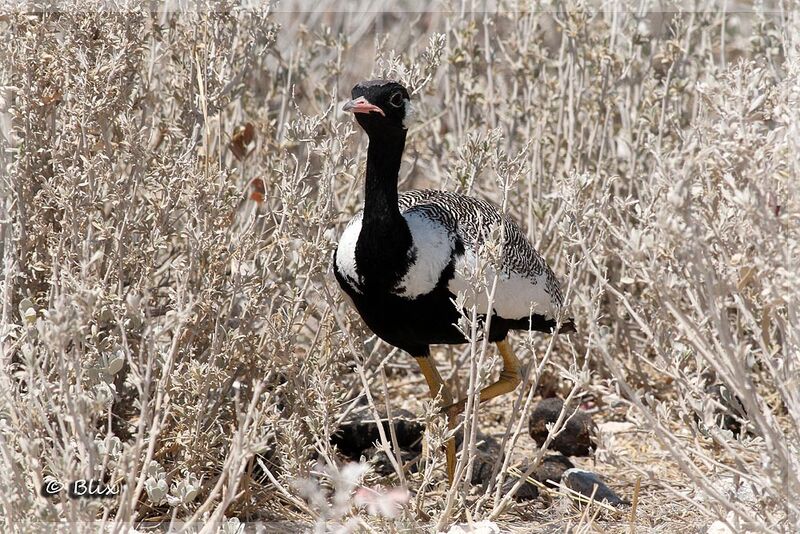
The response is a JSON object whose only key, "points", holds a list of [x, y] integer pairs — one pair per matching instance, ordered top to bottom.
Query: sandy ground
{"points": [[635, 454]]}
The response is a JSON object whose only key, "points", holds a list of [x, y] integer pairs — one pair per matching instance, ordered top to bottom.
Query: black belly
{"points": [[414, 324], [411, 325]]}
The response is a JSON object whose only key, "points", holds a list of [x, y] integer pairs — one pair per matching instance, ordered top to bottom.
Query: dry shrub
{"points": [[164, 329]]}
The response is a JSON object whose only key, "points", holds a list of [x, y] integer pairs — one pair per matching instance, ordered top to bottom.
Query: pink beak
{"points": [[362, 105]]}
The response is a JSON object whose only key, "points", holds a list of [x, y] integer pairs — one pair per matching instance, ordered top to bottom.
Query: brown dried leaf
{"points": [[242, 137], [256, 190]]}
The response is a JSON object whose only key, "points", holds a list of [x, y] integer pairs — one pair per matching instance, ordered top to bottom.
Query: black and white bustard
{"points": [[405, 257]]}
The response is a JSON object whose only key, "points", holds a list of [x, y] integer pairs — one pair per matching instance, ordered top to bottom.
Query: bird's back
{"points": [[473, 220]]}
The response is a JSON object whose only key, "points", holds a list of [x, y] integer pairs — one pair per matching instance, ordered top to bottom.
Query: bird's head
{"points": [[381, 107]]}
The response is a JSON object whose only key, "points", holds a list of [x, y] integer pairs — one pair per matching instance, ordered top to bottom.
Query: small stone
{"points": [[577, 438], [589, 484], [481, 527], [721, 527]]}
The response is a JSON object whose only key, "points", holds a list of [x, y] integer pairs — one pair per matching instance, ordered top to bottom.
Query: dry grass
{"points": [[163, 330]]}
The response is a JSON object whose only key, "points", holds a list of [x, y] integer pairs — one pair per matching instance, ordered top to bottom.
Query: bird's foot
{"points": [[452, 412]]}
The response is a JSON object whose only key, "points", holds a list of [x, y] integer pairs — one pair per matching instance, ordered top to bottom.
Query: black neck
{"points": [[383, 168], [384, 241]]}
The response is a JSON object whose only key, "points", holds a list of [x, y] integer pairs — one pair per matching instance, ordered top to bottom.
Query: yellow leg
{"points": [[510, 378], [436, 385]]}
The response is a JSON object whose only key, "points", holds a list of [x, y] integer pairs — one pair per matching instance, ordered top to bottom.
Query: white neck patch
{"points": [[410, 117]]}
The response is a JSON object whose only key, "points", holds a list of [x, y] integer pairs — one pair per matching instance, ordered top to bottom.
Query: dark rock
{"points": [[360, 433], [357, 437], [577, 438], [488, 451], [381, 463], [551, 469], [549, 472], [587, 484], [526, 492]]}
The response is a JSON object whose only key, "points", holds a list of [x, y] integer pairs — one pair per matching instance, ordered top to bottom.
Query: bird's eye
{"points": [[396, 100]]}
